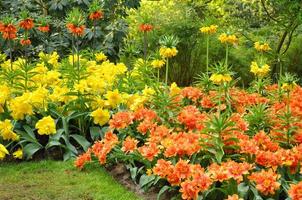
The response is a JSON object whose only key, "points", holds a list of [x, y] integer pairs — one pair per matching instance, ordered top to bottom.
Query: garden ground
{"points": [[58, 180]]}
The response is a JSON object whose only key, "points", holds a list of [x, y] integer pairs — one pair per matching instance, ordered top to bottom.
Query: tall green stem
{"points": [[145, 46], [226, 56], [78, 60], [207, 61], [167, 71], [158, 74]]}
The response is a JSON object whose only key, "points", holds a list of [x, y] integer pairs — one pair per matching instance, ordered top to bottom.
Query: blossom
{"points": [[96, 15], [27, 24], [145, 27], [44, 28], [209, 29], [76, 30], [9, 31], [228, 39], [25, 42], [262, 47], [166, 52], [100, 57], [157, 63], [260, 71], [220, 78], [114, 98], [100, 116], [121, 120], [46, 126], [6, 131], [129, 145], [149, 151], [3, 152], [18, 154], [82, 160], [266, 181], [295, 191], [234, 197]]}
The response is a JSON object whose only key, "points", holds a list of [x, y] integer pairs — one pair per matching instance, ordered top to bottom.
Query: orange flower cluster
{"points": [[97, 15], [27, 24], [145, 27], [44, 29], [9, 31], [77, 31], [25, 42], [192, 118], [121, 120], [129, 145], [100, 149], [149, 151], [229, 170], [266, 181], [295, 191]]}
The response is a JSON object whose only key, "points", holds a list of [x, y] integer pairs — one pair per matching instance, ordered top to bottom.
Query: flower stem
{"points": [[145, 46], [226, 56], [207, 61], [167, 71], [158, 74]]}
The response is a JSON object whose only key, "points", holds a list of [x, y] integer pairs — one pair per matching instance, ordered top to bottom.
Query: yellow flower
{"points": [[209, 29], [230, 39], [262, 47], [166, 52], [100, 57], [157, 63], [259, 71], [220, 78], [82, 86], [288, 86], [174, 89], [148, 91], [4, 94], [39, 97], [113, 98], [21, 106], [100, 116], [46, 126], [6, 131], [3, 152], [18, 154], [149, 172]]}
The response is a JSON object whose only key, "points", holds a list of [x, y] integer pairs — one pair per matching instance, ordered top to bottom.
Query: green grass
{"points": [[60, 181]]}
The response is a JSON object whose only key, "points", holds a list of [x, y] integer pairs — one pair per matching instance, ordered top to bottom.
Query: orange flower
{"points": [[96, 15], [27, 24], [145, 27], [44, 29], [76, 30], [9, 31], [25, 42], [144, 113], [192, 118], [121, 120], [145, 126], [158, 133], [129, 145], [149, 151], [82, 160], [163, 168], [183, 169], [266, 181], [189, 190], [295, 191]]}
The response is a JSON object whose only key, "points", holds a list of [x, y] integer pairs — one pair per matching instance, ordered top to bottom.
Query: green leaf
{"points": [[95, 132], [30, 133], [82, 141], [52, 143], [30, 149], [133, 173], [145, 180], [243, 189], [162, 190]]}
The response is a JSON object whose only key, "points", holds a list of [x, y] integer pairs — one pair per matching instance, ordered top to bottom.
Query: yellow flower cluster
{"points": [[209, 29], [228, 39], [262, 47], [167, 52], [100, 57], [52, 59], [157, 63], [260, 71], [220, 78], [288, 86], [100, 116], [46, 126], [6, 131], [3, 151]]}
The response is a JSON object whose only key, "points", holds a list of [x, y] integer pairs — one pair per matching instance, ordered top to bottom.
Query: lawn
{"points": [[58, 180]]}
